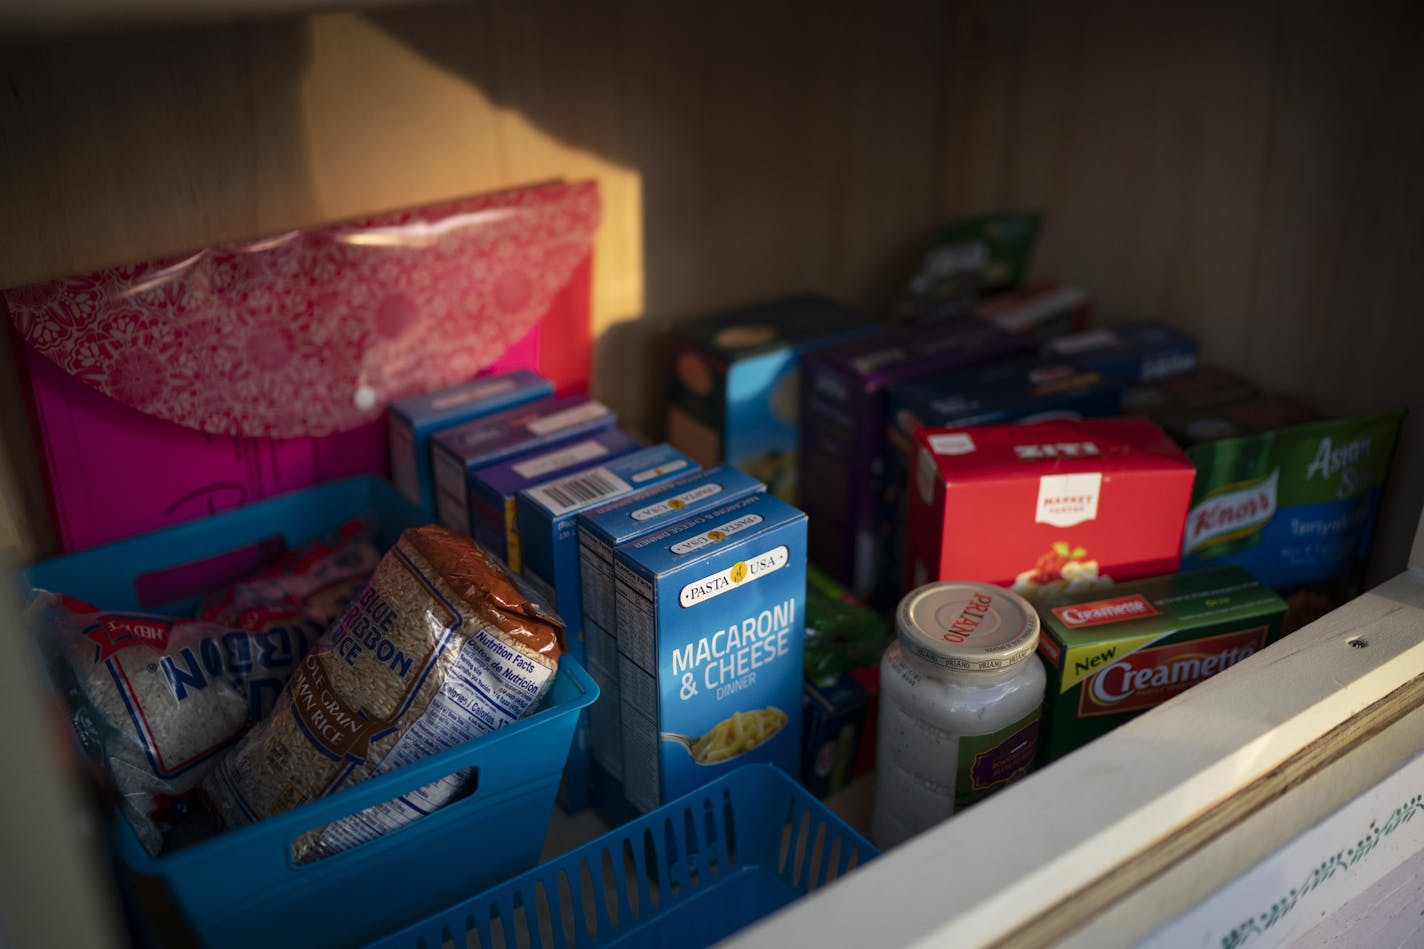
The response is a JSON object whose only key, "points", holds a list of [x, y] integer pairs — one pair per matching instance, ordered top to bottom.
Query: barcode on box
{"points": [[580, 490]]}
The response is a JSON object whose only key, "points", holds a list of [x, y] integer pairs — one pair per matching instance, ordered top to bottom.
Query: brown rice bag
{"points": [[439, 648]]}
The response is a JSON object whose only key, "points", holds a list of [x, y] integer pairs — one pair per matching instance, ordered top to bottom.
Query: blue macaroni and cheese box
{"points": [[413, 420], [456, 452], [493, 489], [548, 522], [600, 532], [548, 541], [711, 619]]}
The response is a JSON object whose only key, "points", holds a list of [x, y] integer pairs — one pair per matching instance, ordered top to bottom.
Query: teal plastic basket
{"points": [[688, 874], [243, 888]]}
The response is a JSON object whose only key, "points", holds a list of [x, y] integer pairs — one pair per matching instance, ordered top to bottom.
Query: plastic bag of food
{"points": [[305, 590], [440, 647], [157, 699]]}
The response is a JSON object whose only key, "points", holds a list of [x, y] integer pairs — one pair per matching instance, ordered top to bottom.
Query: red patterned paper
{"points": [[313, 332]]}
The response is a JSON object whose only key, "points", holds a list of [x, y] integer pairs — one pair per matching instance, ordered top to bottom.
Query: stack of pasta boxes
{"points": [[682, 588]]}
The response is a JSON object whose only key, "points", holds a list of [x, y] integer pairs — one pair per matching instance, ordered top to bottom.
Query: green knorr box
{"points": [[1296, 506], [1112, 654]]}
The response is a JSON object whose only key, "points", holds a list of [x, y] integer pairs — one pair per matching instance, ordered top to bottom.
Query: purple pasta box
{"points": [[843, 420]]}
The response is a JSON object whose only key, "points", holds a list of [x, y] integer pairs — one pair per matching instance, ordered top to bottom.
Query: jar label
{"points": [[989, 762]]}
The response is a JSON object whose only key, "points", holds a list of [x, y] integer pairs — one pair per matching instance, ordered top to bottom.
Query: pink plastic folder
{"points": [[171, 389]]}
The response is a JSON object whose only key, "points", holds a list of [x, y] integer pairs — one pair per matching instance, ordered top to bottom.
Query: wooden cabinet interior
{"points": [[1246, 172]]}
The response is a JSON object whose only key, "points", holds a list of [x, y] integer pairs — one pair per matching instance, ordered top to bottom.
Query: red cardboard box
{"points": [[1056, 507]]}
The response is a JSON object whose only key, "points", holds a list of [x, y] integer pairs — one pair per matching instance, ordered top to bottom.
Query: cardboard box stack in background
{"points": [[1042, 312], [1131, 353], [735, 388], [415, 419], [842, 445], [456, 453], [494, 488]]}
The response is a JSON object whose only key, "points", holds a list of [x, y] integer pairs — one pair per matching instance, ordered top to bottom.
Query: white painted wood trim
{"points": [[1037, 862], [1286, 895]]}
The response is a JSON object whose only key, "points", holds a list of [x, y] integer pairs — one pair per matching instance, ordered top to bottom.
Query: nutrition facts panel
{"points": [[637, 620]]}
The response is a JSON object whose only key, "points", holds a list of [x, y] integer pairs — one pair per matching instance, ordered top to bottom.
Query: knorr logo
{"points": [[1234, 512]]}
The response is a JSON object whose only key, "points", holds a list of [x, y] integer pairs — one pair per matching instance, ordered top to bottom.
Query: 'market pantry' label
{"points": [[1110, 658]]}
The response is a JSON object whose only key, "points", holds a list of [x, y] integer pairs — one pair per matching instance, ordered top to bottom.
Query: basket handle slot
{"points": [[197, 577], [405, 806], [697, 849], [674, 860], [816, 864], [798, 868], [650, 877], [631, 879], [612, 889], [570, 914], [594, 916]]}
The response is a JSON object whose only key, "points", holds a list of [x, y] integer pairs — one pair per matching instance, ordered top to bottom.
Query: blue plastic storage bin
{"points": [[689, 873], [242, 888]]}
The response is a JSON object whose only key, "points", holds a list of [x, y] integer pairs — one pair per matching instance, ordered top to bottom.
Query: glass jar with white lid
{"points": [[960, 695]]}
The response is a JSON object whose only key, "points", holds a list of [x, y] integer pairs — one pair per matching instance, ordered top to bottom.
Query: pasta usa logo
{"points": [[739, 573]]}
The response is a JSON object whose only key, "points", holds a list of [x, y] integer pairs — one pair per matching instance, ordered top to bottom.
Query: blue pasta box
{"points": [[1132, 353], [735, 386], [1026, 389], [415, 419], [458, 451], [493, 489], [548, 520], [600, 532], [548, 540], [711, 617]]}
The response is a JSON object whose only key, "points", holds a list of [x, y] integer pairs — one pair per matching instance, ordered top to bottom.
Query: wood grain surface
{"points": [[1245, 170]]}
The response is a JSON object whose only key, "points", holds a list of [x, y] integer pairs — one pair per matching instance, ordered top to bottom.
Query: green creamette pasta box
{"points": [[415, 419], [711, 625], [1113, 653]]}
